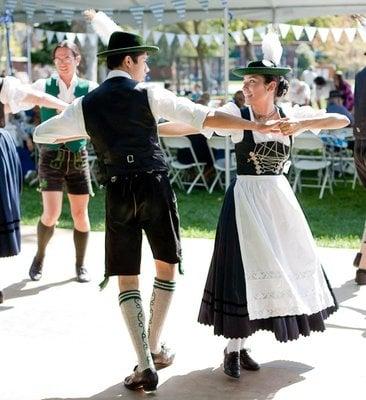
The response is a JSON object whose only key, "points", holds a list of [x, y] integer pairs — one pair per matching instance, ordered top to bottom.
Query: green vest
{"points": [[52, 88]]}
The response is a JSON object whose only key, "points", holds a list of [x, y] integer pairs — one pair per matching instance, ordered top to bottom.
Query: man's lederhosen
{"points": [[64, 164], [139, 196]]}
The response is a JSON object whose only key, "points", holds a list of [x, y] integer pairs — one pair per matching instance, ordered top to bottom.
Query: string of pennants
{"points": [[137, 12], [307, 33]]}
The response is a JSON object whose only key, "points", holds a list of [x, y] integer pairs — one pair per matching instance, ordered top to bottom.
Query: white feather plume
{"points": [[104, 26], [271, 47]]}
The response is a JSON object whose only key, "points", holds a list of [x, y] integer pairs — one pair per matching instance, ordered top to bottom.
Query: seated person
{"points": [[335, 105]]}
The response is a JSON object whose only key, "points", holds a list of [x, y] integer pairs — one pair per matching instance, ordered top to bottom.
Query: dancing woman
{"points": [[265, 272]]}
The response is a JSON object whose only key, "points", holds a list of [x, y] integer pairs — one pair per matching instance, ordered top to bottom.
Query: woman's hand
{"points": [[270, 126], [291, 127]]}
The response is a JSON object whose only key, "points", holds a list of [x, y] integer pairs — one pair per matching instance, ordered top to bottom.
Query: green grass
{"points": [[336, 221]]}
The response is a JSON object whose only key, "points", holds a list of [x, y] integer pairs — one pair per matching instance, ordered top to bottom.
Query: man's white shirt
{"points": [[163, 104]]}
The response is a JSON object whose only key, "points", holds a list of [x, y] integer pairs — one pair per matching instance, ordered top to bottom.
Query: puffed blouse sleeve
{"points": [[13, 93], [235, 134]]}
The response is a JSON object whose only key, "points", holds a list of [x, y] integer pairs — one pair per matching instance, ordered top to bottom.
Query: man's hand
{"points": [[90, 14]]}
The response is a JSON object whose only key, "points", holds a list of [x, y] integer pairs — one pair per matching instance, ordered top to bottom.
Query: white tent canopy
{"points": [[270, 10]]}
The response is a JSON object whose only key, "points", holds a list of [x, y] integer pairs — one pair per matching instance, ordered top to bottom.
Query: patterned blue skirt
{"points": [[10, 185]]}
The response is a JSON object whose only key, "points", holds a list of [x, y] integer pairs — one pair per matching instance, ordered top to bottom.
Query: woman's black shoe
{"points": [[361, 277], [247, 362], [232, 364], [146, 380]]}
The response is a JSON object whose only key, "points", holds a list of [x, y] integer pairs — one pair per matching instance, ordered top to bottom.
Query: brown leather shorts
{"points": [[62, 168]]}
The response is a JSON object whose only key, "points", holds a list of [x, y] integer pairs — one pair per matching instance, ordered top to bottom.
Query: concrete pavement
{"points": [[60, 339]]}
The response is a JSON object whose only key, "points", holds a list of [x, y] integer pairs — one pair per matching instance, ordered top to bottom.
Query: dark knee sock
{"points": [[44, 234], [80, 242]]}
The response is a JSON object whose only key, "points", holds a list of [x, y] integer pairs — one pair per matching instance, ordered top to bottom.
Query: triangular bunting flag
{"points": [[204, 4], [180, 7], [158, 11], [138, 14], [284, 29], [261, 30], [297, 30], [310, 32], [350, 32], [362, 32], [323, 33], [337, 33], [38, 34], [249, 34], [50, 35], [60, 36], [71, 36], [157, 36], [236, 36], [81, 38], [169, 38], [219, 38], [93, 39], [181, 39], [195, 39], [207, 39]]}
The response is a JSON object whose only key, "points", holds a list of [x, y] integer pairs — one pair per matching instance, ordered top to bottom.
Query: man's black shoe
{"points": [[35, 271], [82, 274], [247, 362], [232, 364], [146, 380]]}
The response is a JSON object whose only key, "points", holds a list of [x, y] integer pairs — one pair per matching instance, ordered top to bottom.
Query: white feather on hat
{"points": [[104, 26], [271, 48]]}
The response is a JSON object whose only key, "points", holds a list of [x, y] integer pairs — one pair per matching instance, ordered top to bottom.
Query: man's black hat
{"points": [[125, 42]]}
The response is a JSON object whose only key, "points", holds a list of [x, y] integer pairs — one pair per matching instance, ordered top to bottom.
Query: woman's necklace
{"points": [[264, 117]]}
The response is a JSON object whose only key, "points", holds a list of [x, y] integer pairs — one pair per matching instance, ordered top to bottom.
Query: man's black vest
{"points": [[360, 105], [122, 128]]}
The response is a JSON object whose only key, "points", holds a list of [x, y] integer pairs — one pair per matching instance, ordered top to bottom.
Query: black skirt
{"points": [[10, 184], [224, 303]]}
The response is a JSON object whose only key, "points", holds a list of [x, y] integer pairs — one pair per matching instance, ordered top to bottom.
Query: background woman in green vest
{"points": [[64, 165]]}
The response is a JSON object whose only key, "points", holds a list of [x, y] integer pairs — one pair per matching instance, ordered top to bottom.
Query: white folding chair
{"points": [[219, 143], [308, 154], [341, 157], [179, 170]]}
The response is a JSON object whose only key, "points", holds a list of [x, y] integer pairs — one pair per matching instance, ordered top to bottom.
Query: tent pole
{"points": [[7, 21], [29, 51], [226, 92]]}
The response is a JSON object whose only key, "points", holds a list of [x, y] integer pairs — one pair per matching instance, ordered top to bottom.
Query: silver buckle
{"points": [[130, 158]]}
